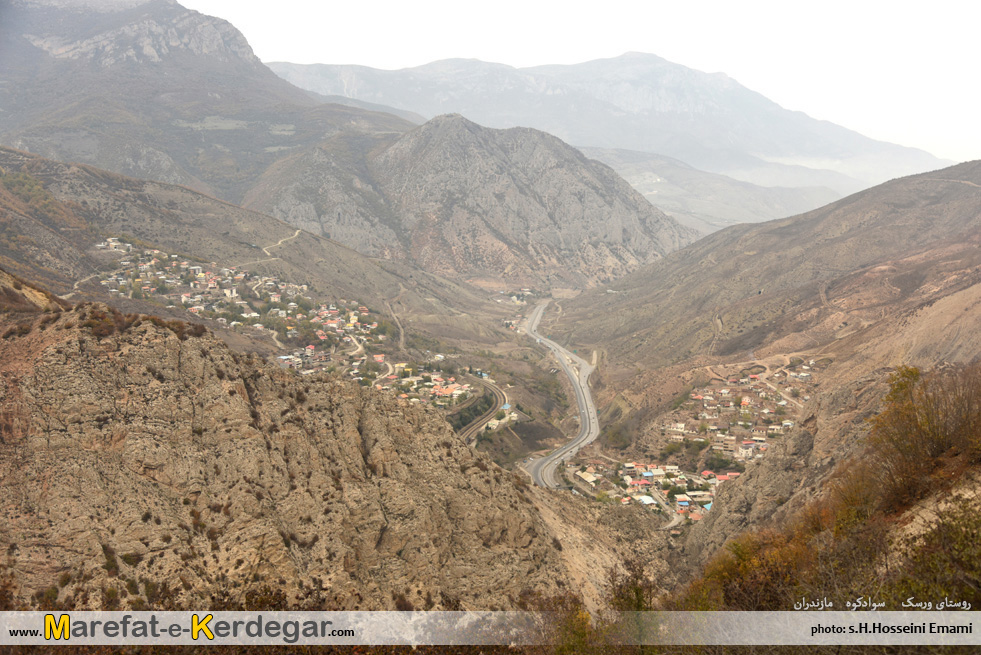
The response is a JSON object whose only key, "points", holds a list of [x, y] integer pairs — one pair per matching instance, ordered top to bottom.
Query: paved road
{"points": [[577, 369], [390, 371], [470, 431], [675, 518]]}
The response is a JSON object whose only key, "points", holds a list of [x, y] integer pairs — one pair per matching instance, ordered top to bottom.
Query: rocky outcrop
{"points": [[150, 35], [459, 199], [133, 451]]}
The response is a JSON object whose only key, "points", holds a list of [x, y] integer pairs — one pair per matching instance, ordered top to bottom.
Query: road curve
{"points": [[577, 369], [470, 431]]}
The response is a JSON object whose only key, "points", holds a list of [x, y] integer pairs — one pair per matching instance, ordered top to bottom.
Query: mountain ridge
{"points": [[159, 92], [635, 102], [459, 199], [707, 201], [96, 203], [759, 262]]}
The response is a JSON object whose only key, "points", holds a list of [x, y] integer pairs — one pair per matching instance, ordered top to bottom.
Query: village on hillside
{"points": [[313, 334], [738, 414], [732, 418], [726, 424]]}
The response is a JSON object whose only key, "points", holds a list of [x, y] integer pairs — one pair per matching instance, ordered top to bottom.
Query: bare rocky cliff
{"points": [[148, 32], [460, 199], [136, 451]]}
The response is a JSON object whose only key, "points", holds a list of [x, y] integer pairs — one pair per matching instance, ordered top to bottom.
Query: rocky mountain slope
{"points": [[146, 89], [153, 90], [635, 102], [459, 199], [52, 214], [41, 238], [886, 278], [743, 287], [876, 326], [133, 450], [145, 464]]}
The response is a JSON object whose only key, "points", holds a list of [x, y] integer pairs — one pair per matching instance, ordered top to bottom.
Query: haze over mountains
{"points": [[164, 93], [637, 102], [707, 201], [237, 473]]}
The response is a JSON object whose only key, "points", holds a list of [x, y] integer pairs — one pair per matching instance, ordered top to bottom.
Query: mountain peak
{"points": [[109, 33], [642, 56], [459, 65], [451, 120]]}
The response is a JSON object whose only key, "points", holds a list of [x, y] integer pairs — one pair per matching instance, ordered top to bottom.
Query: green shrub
{"points": [[131, 559]]}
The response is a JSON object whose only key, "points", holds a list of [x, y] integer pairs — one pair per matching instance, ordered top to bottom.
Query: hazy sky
{"points": [[899, 71]]}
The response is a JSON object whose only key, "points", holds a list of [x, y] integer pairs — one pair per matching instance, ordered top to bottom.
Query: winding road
{"points": [[280, 242], [265, 249], [77, 284], [469, 433], [543, 470]]}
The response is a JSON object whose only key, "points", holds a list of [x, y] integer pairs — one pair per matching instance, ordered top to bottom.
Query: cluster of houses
{"points": [[114, 243], [515, 297], [238, 299], [319, 335], [307, 360], [426, 383], [419, 384], [739, 415], [509, 416], [735, 417], [659, 486]]}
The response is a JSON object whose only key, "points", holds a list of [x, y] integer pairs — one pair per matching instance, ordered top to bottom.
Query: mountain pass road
{"points": [[543, 470]]}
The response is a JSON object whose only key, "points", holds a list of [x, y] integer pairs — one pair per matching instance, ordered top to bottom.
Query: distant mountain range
{"points": [[156, 91], [637, 102], [707, 201]]}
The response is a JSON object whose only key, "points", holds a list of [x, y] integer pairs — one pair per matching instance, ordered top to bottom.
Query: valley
{"points": [[602, 337], [542, 470]]}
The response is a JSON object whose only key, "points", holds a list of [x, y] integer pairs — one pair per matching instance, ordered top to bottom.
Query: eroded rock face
{"points": [[146, 36], [460, 199], [142, 455]]}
